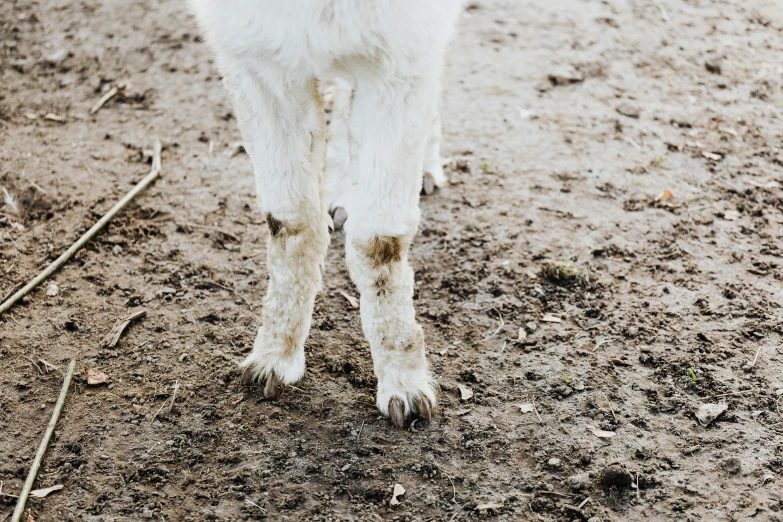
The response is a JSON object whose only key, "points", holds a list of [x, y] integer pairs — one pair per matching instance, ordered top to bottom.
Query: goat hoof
{"points": [[428, 186], [339, 217], [248, 376], [272, 388], [423, 407], [422, 410], [397, 412]]}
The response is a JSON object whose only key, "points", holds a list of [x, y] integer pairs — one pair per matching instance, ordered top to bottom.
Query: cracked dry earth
{"points": [[616, 197]]}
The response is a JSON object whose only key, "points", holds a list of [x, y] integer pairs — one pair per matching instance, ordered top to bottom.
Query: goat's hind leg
{"points": [[283, 127]]}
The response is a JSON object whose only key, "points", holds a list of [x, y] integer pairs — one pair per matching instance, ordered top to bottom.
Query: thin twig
{"points": [[106, 97], [141, 185], [500, 327], [756, 357], [48, 365], [38, 368], [174, 395], [610, 406], [159, 410], [536, 412], [359, 435], [28, 484], [453, 489], [555, 493], [248, 501], [585, 501]]}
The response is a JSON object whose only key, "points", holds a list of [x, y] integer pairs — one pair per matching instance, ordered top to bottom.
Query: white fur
{"points": [[385, 131]]}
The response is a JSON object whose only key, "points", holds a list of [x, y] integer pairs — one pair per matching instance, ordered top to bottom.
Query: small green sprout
{"points": [[659, 159], [692, 374], [566, 378]]}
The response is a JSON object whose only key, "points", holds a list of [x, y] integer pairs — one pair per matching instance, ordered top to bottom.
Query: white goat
{"points": [[388, 56]]}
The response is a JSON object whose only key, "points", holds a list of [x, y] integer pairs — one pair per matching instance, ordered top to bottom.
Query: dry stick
{"points": [[106, 97], [141, 185], [500, 327], [756, 357], [174, 395], [610, 405], [28, 484]]}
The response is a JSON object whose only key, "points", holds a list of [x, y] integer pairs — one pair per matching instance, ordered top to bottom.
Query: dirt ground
{"points": [[616, 196]]}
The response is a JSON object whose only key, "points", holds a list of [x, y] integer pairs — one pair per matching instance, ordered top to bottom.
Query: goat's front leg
{"points": [[283, 127], [389, 129]]}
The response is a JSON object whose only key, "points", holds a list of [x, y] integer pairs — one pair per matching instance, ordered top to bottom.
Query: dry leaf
{"points": [[54, 117], [726, 130], [711, 156], [666, 194], [9, 202], [731, 215], [52, 290], [351, 300], [551, 319], [522, 335], [113, 337], [95, 377], [465, 392], [527, 408], [709, 412], [601, 434], [398, 491], [41, 493]]}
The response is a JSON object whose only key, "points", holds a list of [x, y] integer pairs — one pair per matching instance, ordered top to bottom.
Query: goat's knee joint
{"points": [[280, 228], [384, 250]]}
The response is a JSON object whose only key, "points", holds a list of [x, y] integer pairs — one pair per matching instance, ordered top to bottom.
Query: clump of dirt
{"points": [[563, 273]]}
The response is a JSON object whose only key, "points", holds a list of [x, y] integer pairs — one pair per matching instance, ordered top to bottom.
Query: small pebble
{"points": [[184, 357]]}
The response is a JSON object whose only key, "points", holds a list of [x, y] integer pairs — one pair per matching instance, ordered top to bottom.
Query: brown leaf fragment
{"points": [[111, 340]]}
